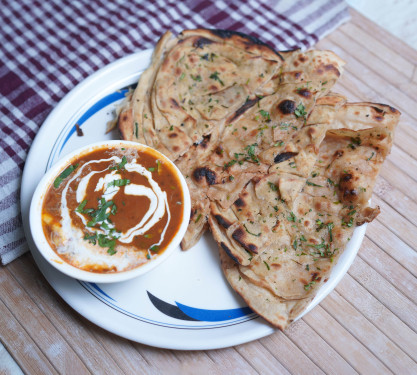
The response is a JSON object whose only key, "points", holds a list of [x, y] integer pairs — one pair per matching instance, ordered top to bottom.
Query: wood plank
{"points": [[396, 44], [379, 51], [363, 76], [399, 76], [403, 161], [399, 179], [395, 198], [398, 224], [393, 246], [389, 269], [384, 292], [379, 315], [38, 326], [74, 328], [369, 335], [21, 346], [318, 350], [354, 352], [287, 353], [128, 358], [261, 359], [164, 360], [230, 361], [199, 362]]}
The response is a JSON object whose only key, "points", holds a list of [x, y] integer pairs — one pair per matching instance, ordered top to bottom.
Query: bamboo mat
{"points": [[368, 324]]}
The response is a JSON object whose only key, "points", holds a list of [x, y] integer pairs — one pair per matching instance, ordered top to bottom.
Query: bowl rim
{"points": [[42, 244]]}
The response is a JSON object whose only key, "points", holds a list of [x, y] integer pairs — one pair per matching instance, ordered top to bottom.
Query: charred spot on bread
{"points": [[250, 40], [201, 42], [305, 93], [248, 104], [287, 107], [283, 156], [204, 172], [240, 202], [222, 221], [239, 236], [228, 252]]}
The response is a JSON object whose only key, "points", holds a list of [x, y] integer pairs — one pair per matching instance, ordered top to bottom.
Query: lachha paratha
{"points": [[280, 168]]}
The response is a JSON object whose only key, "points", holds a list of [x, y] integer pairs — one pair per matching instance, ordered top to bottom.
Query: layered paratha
{"points": [[194, 83], [279, 168], [276, 252]]}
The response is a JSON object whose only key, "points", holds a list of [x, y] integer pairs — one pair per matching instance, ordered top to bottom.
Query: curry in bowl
{"points": [[113, 208]]}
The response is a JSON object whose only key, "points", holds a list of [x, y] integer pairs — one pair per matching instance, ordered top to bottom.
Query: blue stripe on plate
{"points": [[109, 99], [101, 291], [214, 315]]}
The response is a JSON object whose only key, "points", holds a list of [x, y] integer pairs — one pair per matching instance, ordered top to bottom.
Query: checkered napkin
{"points": [[48, 47]]}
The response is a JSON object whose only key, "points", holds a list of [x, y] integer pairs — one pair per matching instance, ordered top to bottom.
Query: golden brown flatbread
{"points": [[194, 83], [279, 168], [277, 253]]}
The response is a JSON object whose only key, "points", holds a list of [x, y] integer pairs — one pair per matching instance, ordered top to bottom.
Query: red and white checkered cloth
{"points": [[48, 47]]}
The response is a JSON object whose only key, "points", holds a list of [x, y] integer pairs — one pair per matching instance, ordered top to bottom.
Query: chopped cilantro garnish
{"points": [[215, 76], [196, 78], [300, 111], [265, 114], [136, 129], [251, 152], [372, 155], [121, 165], [64, 175], [121, 182], [312, 184], [272, 186], [81, 209], [292, 217], [330, 227], [253, 234], [154, 248], [267, 265], [309, 285]]}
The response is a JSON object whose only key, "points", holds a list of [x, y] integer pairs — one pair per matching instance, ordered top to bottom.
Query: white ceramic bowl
{"points": [[35, 220]]}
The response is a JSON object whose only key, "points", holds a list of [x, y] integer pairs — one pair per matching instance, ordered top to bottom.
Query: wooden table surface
{"points": [[368, 324]]}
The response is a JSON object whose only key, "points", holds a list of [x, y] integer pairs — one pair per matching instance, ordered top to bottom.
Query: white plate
{"points": [[186, 302]]}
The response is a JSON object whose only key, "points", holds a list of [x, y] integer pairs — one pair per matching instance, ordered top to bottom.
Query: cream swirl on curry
{"points": [[113, 209]]}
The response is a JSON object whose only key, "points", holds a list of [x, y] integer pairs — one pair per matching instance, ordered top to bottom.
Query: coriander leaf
{"points": [[215, 76], [196, 78], [300, 111], [265, 114], [251, 152], [121, 165], [64, 175], [121, 182], [312, 184], [272, 186], [292, 217], [330, 227], [253, 234], [154, 248]]}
